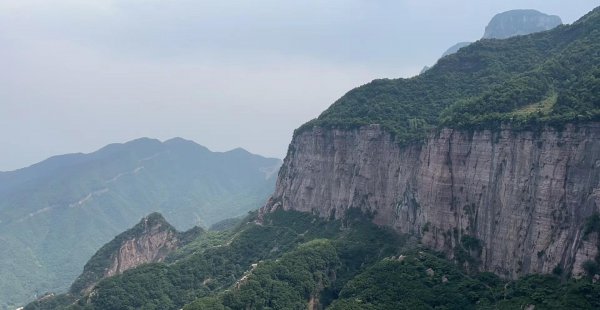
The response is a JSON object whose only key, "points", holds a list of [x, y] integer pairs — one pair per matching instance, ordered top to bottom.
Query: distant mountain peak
{"points": [[519, 22], [509, 24], [454, 48], [142, 140], [179, 140], [136, 144], [184, 144], [239, 150], [154, 219]]}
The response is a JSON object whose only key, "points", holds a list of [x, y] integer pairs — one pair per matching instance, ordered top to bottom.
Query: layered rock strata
{"points": [[517, 201]]}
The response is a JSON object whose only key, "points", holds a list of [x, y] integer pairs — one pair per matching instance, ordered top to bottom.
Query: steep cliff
{"points": [[492, 156], [513, 202], [150, 241]]}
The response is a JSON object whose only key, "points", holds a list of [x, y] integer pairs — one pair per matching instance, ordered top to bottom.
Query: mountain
{"points": [[519, 22], [509, 24], [454, 48], [496, 145], [475, 185], [55, 214], [150, 241], [293, 260]]}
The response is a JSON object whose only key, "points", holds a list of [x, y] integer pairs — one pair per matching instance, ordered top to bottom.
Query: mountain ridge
{"points": [[519, 23], [511, 74], [56, 160], [55, 214], [364, 217], [149, 241]]}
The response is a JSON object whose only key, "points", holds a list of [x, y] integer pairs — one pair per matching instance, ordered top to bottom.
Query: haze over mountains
{"points": [[72, 65], [475, 185], [55, 214]]}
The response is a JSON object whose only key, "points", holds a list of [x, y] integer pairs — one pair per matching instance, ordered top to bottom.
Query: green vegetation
{"points": [[548, 78], [55, 215], [226, 224], [285, 243], [290, 259], [293, 259], [215, 261], [94, 269], [417, 281], [289, 282], [406, 284], [50, 302]]}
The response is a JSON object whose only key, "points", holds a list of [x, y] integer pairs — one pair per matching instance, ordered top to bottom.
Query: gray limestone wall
{"points": [[523, 197]]}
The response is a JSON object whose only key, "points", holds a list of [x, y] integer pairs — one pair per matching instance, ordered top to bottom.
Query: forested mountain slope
{"points": [[510, 24], [406, 193], [55, 214], [292, 260]]}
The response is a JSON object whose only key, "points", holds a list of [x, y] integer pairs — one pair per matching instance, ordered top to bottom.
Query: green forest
{"points": [[547, 78], [293, 259]]}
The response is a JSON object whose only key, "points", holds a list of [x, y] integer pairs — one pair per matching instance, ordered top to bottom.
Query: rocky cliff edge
{"points": [[510, 202]]}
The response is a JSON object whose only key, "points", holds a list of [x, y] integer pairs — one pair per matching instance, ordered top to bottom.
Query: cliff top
{"points": [[544, 78]]}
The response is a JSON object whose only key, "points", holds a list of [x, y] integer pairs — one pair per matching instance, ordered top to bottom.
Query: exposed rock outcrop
{"points": [[519, 22], [517, 201], [150, 241], [152, 245]]}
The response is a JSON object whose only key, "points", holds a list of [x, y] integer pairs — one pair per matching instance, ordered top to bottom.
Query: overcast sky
{"points": [[76, 75]]}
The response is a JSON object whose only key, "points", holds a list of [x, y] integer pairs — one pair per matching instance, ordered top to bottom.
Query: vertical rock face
{"points": [[519, 22], [517, 201], [150, 241], [154, 243]]}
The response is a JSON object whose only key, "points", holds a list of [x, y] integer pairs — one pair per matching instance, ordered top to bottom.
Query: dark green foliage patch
{"points": [[548, 78]]}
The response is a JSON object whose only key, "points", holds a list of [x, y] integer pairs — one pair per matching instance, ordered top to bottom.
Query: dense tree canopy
{"points": [[547, 78], [293, 259]]}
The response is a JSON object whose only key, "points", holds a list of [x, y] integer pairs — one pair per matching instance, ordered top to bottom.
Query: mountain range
{"points": [[475, 185], [55, 214]]}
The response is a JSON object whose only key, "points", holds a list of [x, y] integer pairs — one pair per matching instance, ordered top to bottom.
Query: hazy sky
{"points": [[78, 74]]}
